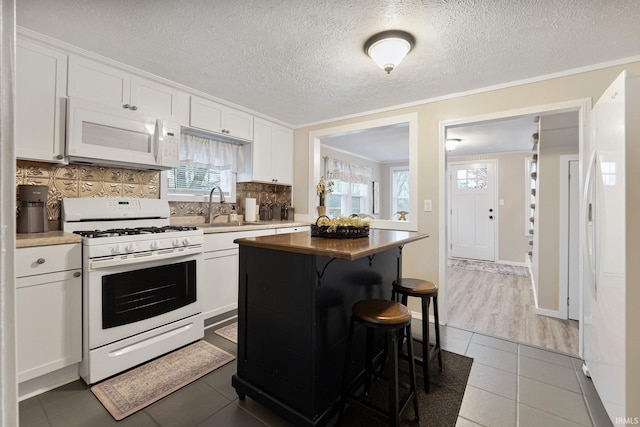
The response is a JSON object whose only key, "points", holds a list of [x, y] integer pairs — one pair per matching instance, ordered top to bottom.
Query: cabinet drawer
{"points": [[220, 241], [48, 259]]}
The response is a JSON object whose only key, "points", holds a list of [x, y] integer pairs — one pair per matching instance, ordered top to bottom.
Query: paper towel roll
{"points": [[250, 209]]}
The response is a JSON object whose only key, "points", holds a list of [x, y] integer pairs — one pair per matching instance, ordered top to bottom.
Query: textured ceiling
{"points": [[302, 61]]}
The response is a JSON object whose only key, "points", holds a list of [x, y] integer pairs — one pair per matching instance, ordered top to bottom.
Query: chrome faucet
{"points": [[213, 215]]}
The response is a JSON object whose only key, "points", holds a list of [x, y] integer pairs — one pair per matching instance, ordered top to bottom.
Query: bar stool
{"points": [[425, 290], [391, 317]]}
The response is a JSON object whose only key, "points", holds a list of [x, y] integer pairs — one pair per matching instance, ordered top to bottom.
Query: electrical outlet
{"points": [[501, 202], [427, 206]]}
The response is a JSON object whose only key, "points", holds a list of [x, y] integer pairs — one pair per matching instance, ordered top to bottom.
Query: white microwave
{"points": [[100, 134]]}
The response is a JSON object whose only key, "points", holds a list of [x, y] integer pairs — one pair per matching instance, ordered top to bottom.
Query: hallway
{"points": [[502, 305]]}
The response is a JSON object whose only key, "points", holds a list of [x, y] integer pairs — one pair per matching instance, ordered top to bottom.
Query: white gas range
{"points": [[140, 279]]}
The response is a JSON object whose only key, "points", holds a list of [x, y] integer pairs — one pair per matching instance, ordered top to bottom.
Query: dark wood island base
{"points": [[295, 299]]}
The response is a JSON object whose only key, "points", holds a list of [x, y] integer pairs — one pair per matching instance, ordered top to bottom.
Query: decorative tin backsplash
{"points": [[86, 181], [102, 181], [263, 193]]}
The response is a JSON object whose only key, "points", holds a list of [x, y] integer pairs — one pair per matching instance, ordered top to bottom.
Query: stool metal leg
{"points": [[437, 326], [425, 342], [368, 361], [412, 374], [394, 392]]}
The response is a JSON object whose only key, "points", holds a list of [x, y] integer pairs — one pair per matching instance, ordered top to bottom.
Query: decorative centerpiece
{"points": [[322, 190], [340, 228]]}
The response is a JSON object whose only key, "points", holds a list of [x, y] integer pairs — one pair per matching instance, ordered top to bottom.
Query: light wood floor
{"points": [[502, 305]]}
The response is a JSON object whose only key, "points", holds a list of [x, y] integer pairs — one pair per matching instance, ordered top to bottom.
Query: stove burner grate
{"points": [[115, 232]]}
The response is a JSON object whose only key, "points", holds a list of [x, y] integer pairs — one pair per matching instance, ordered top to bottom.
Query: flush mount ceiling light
{"points": [[388, 48], [452, 143]]}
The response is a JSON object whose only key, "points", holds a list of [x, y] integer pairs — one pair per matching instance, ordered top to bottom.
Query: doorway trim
{"points": [[582, 106], [314, 164], [494, 196], [563, 278]]}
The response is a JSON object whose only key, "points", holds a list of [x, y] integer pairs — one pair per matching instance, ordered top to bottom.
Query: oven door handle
{"points": [[117, 262]]}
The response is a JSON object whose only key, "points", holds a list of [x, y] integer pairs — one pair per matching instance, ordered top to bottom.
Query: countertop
{"points": [[223, 227], [57, 237], [349, 249]]}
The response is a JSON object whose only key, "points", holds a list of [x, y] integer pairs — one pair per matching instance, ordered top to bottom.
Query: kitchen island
{"points": [[294, 304]]}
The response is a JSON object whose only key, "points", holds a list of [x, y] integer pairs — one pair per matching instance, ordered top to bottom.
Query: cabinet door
{"points": [[98, 82], [41, 87], [158, 100], [206, 114], [238, 124], [261, 152], [282, 154], [218, 292], [49, 322]]}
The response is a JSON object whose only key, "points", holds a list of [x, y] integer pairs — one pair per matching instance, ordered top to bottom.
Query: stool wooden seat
{"points": [[425, 290], [392, 317]]}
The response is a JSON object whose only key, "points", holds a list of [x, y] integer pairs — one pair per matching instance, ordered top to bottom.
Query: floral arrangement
{"points": [[323, 188]]}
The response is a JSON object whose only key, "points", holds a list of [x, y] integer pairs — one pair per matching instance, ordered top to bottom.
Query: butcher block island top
{"points": [[348, 249]]}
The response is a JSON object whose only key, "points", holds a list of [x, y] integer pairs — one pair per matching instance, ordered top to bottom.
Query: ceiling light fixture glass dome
{"points": [[388, 48], [452, 143]]}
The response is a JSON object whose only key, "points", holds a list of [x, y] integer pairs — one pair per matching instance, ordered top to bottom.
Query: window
{"points": [[204, 162], [472, 178], [188, 180], [399, 190], [347, 198]]}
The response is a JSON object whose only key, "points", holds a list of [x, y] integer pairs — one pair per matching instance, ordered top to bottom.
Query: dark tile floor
{"points": [[510, 385]]}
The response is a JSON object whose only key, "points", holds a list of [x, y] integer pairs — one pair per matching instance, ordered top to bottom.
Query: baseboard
{"points": [[548, 313], [416, 324], [43, 383]]}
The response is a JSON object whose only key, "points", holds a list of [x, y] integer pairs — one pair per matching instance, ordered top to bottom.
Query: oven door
{"points": [[124, 300]]}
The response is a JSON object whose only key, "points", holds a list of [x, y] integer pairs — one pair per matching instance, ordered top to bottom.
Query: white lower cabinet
{"points": [[219, 290], [48, 309]]}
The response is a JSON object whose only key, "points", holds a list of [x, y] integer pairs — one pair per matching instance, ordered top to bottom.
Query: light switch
{"points": [[501, 202], [427, 206]]}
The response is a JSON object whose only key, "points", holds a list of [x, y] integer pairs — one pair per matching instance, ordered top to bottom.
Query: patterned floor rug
{"points": [[489, 267], [229, 332], [139, 387]]}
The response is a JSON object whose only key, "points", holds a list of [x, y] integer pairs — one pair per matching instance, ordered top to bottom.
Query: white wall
{"points": [[423, 258]]}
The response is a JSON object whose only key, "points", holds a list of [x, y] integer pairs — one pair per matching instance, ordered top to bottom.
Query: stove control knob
{"points": [[186, 241], [175, 243], [154, 245], [131, 247], [115, 249]]}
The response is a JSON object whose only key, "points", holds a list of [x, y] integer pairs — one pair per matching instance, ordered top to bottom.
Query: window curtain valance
{"points": [[211, 153], [350, 172]]}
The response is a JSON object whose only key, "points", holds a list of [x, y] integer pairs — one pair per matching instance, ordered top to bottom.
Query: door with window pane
{"points": [[473, 213]]}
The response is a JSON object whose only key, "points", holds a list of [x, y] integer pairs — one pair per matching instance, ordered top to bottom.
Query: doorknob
{"points": [[490, 210], [490, 216]]}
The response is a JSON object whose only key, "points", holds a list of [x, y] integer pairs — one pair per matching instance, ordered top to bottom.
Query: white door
{"points": [[473, 210], [574, 240]]}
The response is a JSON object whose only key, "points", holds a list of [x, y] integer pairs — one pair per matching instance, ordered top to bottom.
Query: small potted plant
{"points": [[323, 189]]}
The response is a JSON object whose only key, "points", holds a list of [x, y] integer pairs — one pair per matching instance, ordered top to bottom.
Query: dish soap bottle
{"points": [[233, 215]]}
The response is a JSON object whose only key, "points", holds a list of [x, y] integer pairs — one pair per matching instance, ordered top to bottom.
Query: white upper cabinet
{"points": [[108, 85], [41, 86], [218, 118], [270, 157]]}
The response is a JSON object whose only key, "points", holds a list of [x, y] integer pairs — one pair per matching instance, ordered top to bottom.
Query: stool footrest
{"points": [[381, 413]]}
